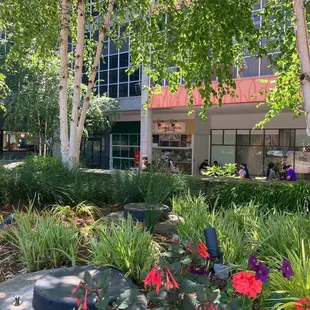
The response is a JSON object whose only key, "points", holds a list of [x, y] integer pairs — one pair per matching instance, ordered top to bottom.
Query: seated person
{"points": [[204, 165], [290, 173]]}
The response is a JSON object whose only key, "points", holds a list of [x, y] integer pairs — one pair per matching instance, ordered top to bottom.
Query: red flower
{"points": [[202, 250], [154, 278], [173, 283], [245, 283], [75, 290], [78, 301], [302, 301], [84, 307]]}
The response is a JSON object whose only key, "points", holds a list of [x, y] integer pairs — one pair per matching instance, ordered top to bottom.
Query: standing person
{"points": [[146, 165], [244, 172], [270, 173], [290, 173]]}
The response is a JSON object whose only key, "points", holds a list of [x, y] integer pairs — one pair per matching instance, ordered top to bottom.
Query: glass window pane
{"points": [[125, 45], [113, 48], [123, 60], [113, 61], [103, 65], [249, 67], [264, 70], [103, 76], [113, 76], [123, 76], [135, 76], [103, 89], [132, 89], [123, 90], [113, 91], [217, 136], [230, 137], [243, 137], [257, 137], [271, 137], [286, 137], [301, 138], [116, 139], [124, 140], [133, 140], [164, 140], [116, 151], [125, 151], [223, 154], [253, 157], [302, 159], [116, 163], [124, 164]]}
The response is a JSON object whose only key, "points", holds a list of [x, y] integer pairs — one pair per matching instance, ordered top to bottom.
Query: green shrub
{"points": [[43, 179], [93, 187], [153, 187], [284, 196], [43, 242], [127, 246]]}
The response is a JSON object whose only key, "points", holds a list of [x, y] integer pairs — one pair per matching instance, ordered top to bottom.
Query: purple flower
{"points": [[253, 262], [286, 269], [201, 271], [262, 272]]}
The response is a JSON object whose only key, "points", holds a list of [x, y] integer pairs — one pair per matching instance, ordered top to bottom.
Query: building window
{"points": [[113, 79], [259, 147], [123, 148]]}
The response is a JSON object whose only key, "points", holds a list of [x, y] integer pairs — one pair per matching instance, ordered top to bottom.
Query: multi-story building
{"points": [[227, 137]]}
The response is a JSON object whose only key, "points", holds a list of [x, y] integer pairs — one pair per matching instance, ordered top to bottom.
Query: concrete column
{"points": [[146, 139]]}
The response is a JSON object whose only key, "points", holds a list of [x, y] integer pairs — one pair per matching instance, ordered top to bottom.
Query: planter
{"points": [[138, 211]]}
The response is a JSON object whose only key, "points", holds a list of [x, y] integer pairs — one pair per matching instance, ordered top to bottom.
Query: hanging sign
{"points": [[170, 127], [136, 155]]}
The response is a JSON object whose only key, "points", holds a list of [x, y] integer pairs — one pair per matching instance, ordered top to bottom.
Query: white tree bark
{"points": [[304, 55], [78, 66], [64, 75], [92, 77]]}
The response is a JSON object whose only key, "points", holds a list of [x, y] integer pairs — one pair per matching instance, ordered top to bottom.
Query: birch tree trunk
{"points": [[304, 55], [78, 66], [64, 75], [92, 78]]}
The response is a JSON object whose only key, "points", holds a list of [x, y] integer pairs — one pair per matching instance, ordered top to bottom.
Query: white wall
{"points": [[248, 121]]}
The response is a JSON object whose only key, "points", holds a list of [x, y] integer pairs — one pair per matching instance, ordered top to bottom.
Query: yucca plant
{"points": [[127, 247]]}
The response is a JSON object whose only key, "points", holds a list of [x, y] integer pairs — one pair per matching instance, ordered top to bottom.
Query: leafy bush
{"points": [[43, 179], [93, 187], [153, 187], [283, 196], [241, 229], [41, 241], [127, 247]]}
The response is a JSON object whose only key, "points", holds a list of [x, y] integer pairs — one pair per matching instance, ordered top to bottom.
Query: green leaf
{"points": [[186, 261], [88, 278], [188, 287], [127, 298], [160, 298], [103, 303]]}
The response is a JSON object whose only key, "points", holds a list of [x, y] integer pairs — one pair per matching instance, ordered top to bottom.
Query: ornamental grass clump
{"points": [[42, 241], [126, 246]]}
